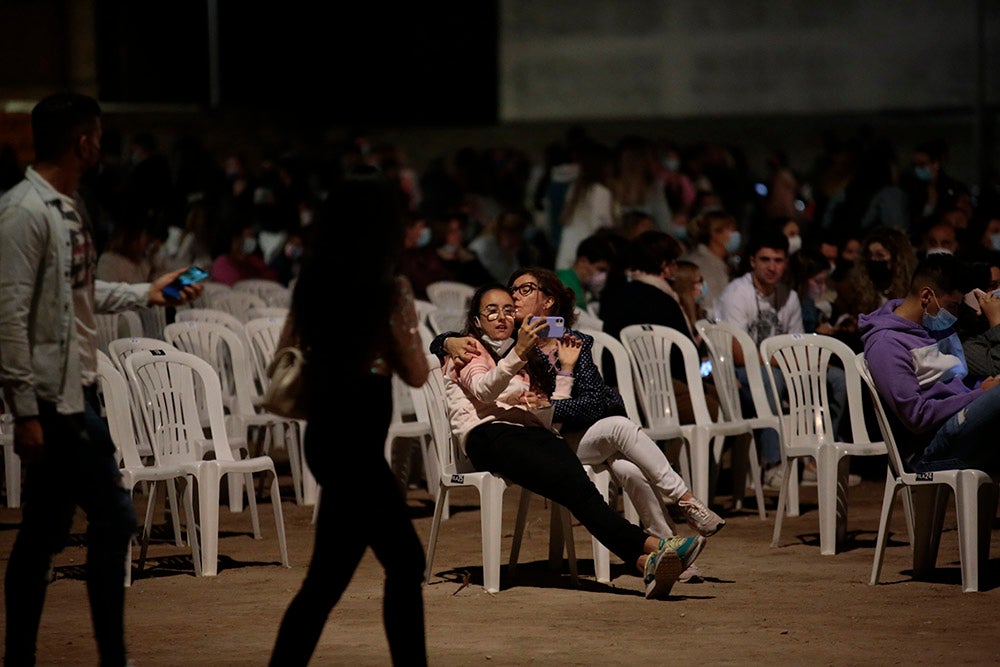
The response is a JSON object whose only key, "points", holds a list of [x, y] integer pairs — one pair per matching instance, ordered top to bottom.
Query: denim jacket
{"points": [[39, 345]]}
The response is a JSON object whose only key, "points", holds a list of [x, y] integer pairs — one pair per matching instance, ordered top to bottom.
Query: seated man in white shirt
{"points": [[761, 302]]}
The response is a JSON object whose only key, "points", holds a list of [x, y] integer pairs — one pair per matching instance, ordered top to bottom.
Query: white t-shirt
{"points": [[760, 316]]}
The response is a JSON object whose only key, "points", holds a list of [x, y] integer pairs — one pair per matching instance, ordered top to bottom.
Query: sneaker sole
{"points": [[719, 526], [689, 557], [668, 569]]}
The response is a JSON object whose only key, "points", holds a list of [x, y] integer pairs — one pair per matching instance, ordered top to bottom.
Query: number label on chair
{"points": [[925, 476], [458, 479]]}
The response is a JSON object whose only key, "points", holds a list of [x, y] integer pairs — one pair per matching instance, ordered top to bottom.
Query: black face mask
{"points": [[880, 272]]}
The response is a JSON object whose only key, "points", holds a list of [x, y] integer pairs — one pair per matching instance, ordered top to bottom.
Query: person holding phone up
{"points": [[492, 406], [591, 414]]}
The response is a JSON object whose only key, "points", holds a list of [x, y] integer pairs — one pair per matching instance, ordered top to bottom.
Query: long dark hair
{"points": [[350, 270]]}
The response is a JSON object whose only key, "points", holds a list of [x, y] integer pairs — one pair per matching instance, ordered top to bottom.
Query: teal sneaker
{"points": [[673, 556]]}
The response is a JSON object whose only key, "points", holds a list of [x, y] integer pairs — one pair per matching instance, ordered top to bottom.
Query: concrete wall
{"points": [[593, 59]]}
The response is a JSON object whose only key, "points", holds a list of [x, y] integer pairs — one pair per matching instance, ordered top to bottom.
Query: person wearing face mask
{"points": [[718, 242], [240, 257], [882, 271], [589, 273], [919, 369], [493, 393]]}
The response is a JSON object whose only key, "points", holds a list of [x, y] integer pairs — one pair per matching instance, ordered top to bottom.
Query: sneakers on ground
{"points": [[773, 477], [809, 477], [700, 517], [673, 556], [692, 575]]}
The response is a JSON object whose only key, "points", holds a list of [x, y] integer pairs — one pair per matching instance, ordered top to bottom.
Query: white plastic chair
{"points": [[209, 287], [272, 292], [450, 295], [235, 302], [423, 308], [267, 311], [586, 320], [442, 321], [123, 324], [263, 334], [719, 338], [604, 341], [649, 347], [119, 349], [225, 351], [167, 381], [118, 408], [410, 422], [807, 428], [11, 461], [453, 473], [925, 498]]}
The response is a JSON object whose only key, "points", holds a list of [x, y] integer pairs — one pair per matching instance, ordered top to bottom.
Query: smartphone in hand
{"points": [[194, 274], [557, 326]]}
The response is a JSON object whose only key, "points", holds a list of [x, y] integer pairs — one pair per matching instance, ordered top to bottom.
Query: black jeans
{"points": [[542, 462], [79, 470], [361, 506]]}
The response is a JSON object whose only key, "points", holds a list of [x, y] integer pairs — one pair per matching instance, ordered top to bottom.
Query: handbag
{"points": [[286, 392]]}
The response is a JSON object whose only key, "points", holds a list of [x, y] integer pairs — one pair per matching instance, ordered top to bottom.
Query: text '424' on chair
{"points": [[167, 381], [807, 428], [925, 497]]}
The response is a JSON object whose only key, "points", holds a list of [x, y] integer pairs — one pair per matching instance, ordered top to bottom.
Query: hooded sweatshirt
{"points": [[918, 381]]}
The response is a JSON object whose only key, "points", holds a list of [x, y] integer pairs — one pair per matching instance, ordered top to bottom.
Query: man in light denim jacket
{"points": [[48, 364]]}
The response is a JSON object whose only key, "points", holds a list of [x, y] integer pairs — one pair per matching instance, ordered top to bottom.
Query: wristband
{"points": [[565, 373]]}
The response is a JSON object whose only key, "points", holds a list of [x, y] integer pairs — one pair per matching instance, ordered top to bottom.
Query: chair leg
{"points": [[700, 454], [827, 464], [792, 474], [783, 494], [442, 497], [888, 498], [252, 503], [492, 512], [208, 514], [522, 515], [279, 518], [562, 518], [927, 524], [192, 527], [602, 557]]}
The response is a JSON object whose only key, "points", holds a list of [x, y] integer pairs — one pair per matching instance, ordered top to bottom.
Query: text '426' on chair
{"points": [[925, 498]]}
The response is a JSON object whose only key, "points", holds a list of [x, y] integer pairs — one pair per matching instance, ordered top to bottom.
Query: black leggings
{"points": [[542, 462], [361, 506]]}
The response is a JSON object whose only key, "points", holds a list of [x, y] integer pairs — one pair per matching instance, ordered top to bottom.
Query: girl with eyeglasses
{"points": [[491, 404]]}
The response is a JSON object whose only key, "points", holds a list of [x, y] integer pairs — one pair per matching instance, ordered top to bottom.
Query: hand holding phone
{"points": [[194, 274], [556, 328]]}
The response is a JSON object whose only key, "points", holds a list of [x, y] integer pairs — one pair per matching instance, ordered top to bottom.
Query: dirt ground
{"points": [[784, 605]]}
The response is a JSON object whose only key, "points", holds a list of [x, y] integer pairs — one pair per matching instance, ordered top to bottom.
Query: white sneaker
{"points": [[773, 477], [809, 477]]}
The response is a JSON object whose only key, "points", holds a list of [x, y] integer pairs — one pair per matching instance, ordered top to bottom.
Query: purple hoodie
{"points": [[915, 379]]}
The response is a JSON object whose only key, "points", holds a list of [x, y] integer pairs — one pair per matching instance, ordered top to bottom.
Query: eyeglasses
{"points": [[524, 289], [493, 314]]}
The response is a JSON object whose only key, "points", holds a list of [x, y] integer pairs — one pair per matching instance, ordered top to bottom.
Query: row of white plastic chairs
{"points": [[643, 374]]}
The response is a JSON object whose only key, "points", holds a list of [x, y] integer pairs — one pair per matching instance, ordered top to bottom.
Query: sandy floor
{"points": [[784, 605]]}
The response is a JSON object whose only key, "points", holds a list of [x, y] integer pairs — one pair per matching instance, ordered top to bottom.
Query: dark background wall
{"points": [[435, 76]]}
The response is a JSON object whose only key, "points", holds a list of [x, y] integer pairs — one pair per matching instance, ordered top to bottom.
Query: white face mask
{"points": [[794, 244], [249, 245], [939, 251], [597, 281], [499, 347]]}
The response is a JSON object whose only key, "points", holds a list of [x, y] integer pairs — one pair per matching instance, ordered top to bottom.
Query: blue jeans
{"points": [[968, 439], [770, 444], [542, 462], [79, 470]]}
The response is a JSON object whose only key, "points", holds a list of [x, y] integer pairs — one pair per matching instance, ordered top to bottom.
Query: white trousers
{"points": [[638, 464]]}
